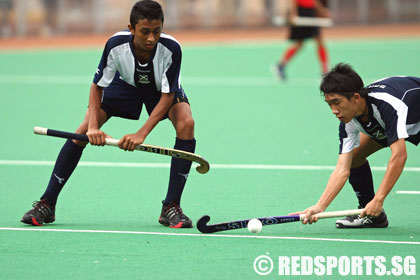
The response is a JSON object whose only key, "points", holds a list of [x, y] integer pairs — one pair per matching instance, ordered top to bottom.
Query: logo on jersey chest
{"points": [[143, 72], [144, 79], [375, 130], [379, 135]]}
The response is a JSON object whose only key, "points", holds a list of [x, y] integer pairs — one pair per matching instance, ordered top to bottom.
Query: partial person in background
{"points": [[50, 24], [298, 34]]}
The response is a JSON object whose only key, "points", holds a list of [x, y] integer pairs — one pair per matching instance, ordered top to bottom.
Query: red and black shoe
{"points": [[41, 213], [172, 216]]}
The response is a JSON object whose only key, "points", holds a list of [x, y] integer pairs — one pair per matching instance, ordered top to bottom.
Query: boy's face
{"points": [[146, 34], [344, 109]]}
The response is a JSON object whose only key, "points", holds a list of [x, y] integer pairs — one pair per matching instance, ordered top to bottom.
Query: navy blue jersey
{"points": [[160, 74], [394, 113]]}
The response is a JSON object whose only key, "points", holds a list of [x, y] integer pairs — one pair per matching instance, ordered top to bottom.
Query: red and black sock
{"points": [[288, 55], [323, 58]]}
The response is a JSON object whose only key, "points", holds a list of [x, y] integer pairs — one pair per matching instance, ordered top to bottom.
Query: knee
{"points": [[185, 126], [81, 130], [80, 143], [357, 162]]}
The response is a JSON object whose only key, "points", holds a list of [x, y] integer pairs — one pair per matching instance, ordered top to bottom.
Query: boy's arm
{"points": [[293, 9], [321, 10], [96, 136], [130, 141], [394, 169], [337, 180], [335, 183]]}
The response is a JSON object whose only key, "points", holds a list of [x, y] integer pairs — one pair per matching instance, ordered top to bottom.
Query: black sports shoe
{"points": [[280, 72], [41, 213], [173, 216], [357, 222]]}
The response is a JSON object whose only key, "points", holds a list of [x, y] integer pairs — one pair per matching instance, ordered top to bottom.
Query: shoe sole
{"points": [[34, 222], [383, 225]]}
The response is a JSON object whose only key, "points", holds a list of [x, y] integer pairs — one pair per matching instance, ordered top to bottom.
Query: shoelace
{"points": [[42, 207], [173, 210], [352, 218], [365, 220]]}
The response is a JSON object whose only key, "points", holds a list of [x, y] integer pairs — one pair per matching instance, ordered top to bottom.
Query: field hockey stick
{"points": [[303, 21], [203, 164], [268, 221]]}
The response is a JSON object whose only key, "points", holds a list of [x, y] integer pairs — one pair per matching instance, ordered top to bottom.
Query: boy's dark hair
{"points": [[145, 9], [343, 80]]}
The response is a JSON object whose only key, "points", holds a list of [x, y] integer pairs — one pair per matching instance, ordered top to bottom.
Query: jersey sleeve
{"points": [[106, 69], [171, 77], [394, 120], [349, 137]]}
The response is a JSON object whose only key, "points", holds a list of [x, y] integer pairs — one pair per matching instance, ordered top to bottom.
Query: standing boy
{"points": [[138, 66]]}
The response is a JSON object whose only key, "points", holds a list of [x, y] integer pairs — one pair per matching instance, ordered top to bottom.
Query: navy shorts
{"points": [[122, 100]]}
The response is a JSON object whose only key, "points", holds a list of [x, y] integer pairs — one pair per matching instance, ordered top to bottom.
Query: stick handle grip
{"points": [[61, 134], [70, 135], [111, 142], [334, 214]]}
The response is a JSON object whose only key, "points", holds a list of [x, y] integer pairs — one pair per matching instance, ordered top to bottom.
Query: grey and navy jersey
{"points": [[162, 70], [394, 113]]}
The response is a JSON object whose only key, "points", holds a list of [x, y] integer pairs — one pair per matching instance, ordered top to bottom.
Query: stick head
{"points": [[203, 168], [202, 224]]}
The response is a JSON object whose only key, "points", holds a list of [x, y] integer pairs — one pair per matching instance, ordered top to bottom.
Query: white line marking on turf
{"points": [[190, 80], [86, 163], [213, 166], [407, 192], [213, 235]]}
